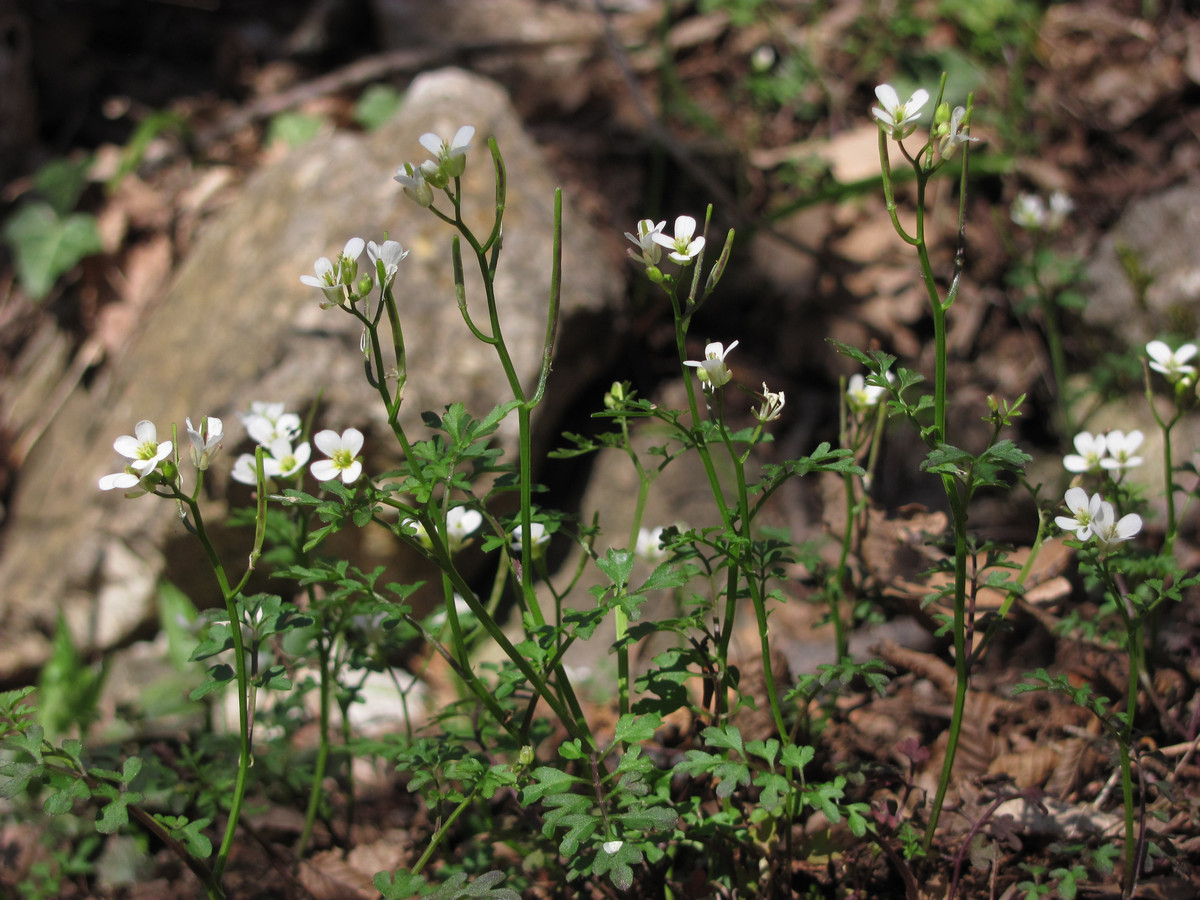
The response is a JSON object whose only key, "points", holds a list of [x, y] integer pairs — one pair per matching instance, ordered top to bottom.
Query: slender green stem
{"points": [[1136, 648], [961, 661], [239, 666], [326, 701]]}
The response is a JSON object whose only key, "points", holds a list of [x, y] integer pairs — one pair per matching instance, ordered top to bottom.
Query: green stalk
{"points": [[230, 596], [1133, 630], [314, 794]]}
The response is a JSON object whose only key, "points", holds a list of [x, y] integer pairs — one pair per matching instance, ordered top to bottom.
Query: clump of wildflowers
{"points": [[898, 120], [1033, 214], [713, 371], [275, 430], [342, 450], [1111, 452], [1095, 517]]}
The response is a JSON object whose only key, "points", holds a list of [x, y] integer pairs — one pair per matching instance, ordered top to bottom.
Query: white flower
{"points": [[895, 118], [955, 136], [451, 155], [415, 186], [1061, 206], [1029, 211], [683, 248], [649, 251], [390, 253], [336, 279], [1172, 364], [713, 371], [861, 396], [772, 406], [267, 422], [206, 440], [143, 447], [1121, 447], [1092, 448], [342, 450], [145, 454], [285, 462], [245, 469], [131, 483], [1084, 513], [461, 521], [536, 529], [1110, 532], [647, 546], [611, 847]]}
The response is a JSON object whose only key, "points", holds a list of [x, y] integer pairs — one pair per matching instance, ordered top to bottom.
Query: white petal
{"points": [[888, 97], [916, 101], [462, 137], [431, 142], [354, 248], [352, 440], [328, 442], [325, 470], [350, 473], [118, 481], [1076, 499], [1129, 526]]}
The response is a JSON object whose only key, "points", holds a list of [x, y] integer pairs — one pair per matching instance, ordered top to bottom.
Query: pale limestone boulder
{"points": [[239, 326]]}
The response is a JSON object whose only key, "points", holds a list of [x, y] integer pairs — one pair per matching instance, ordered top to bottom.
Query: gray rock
{"points": [[1158, 236], [239, 326]]}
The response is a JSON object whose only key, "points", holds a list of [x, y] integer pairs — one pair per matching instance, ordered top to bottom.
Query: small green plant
{"points": [[47, 238], [672, 784]]}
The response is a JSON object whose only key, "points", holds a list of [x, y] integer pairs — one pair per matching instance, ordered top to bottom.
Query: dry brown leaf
{"points": [[1030, 768], [329, 877]]}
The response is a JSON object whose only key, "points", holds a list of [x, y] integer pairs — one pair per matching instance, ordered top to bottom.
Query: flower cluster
{"points": [[449, 162], [1033, 214], [682, 247], [336, 279], [1172, 364], [275, 430], [1112, 452], [1094, 517]]}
